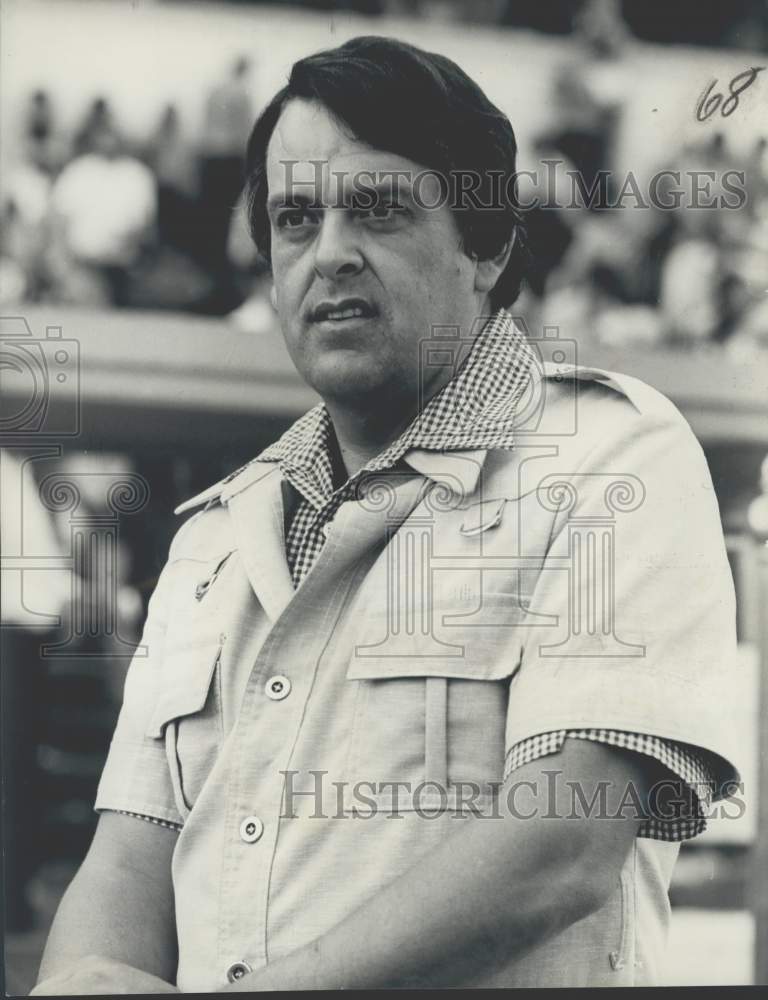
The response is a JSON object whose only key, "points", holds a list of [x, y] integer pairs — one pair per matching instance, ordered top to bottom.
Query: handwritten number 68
{"points": [[709, 102]]}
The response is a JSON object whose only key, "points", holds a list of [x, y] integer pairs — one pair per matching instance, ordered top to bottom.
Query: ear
{"points": [[488, 272]]}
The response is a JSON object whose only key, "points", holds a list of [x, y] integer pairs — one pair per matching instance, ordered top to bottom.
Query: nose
{"points": [[336, 251]]}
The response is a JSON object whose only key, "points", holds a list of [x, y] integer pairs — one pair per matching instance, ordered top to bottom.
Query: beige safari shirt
{"points": [[577, 581]]}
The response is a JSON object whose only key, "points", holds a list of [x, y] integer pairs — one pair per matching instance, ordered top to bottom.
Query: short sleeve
{"points": [[631, 623], [692, 773], [136, 777]]}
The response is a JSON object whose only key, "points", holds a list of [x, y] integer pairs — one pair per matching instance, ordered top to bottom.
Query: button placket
{"points": [[260, 753]]}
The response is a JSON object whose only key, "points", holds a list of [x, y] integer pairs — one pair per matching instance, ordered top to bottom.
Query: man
{"points": [[103, 215], [375, 741]]}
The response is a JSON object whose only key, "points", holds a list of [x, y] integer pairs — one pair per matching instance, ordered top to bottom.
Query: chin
{"points": [[347, 379], [355, 389]]}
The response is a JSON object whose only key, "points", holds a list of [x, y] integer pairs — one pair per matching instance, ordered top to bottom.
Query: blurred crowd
{"points": [[91, 218], [679, 255], [650, 275]]}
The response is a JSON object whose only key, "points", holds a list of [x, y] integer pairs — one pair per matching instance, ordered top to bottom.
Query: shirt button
{"points": [[278, 687], [250, 830], [237, 970]]}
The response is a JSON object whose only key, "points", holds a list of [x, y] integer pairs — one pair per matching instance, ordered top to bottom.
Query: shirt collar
{"points": [[473, 412]]}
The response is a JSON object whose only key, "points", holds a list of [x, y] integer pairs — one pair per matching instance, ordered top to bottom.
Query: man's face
{"points": [[358, 288]]}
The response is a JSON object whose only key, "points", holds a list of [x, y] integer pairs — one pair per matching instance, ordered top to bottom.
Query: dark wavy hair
{"points": [[419, 105]]}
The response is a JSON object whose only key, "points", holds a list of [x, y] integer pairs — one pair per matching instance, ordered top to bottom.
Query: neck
{"points": [[365, 427], [362, 435]]}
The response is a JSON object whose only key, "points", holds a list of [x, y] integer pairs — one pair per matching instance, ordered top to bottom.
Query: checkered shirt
{"points": [[474, 410]]}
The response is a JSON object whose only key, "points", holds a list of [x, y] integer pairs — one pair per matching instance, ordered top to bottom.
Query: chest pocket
{"points": [[188, 715], [435, 724]]}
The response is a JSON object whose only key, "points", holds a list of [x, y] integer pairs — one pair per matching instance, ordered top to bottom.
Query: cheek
{"points": [[449, 268], [289, 271], [281, 276]]}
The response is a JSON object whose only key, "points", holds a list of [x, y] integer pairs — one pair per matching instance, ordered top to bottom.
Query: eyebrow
{"points": [[391, 188], [380, 192], [277, 201]]}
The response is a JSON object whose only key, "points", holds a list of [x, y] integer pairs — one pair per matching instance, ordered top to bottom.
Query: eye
{"points": [[382, 213], [294, 218]]}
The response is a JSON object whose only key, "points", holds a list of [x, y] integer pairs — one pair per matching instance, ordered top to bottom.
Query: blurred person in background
{"points": [[590, 90], [228, 116], [97, 120], [39, 124], [41, 137], [171, 158], [757, 169], [25, 194], [103, 215], [550, 219], [744, 246], [20, 253], [747, 267], [172, 271], [693, 282], [256, 314], [209, 871]]}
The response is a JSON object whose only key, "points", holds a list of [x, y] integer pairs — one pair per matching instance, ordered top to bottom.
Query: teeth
{"points": [[345, 313]]}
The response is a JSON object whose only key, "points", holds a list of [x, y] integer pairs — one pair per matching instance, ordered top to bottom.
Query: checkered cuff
{"points": [[691, 766], [149, 819]]}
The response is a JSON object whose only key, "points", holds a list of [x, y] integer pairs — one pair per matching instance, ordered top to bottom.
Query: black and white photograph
{"points": [[383, 495]]}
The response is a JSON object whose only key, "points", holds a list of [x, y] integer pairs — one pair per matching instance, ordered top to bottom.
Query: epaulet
{"points": [[642, 396], [219, 492], [208, 497]]}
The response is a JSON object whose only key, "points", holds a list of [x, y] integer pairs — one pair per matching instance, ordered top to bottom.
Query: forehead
{"points": [[309, 146]]}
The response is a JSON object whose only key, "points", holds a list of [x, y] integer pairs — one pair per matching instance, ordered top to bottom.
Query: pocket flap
{"points": [[480, 642], [374, 668], [187, 674]]}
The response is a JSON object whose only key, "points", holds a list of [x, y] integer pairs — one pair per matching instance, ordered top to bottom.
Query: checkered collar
{"points": [[475, 410]]}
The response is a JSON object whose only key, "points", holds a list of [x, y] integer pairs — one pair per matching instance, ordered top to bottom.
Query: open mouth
{"points": [[339, 312]]}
